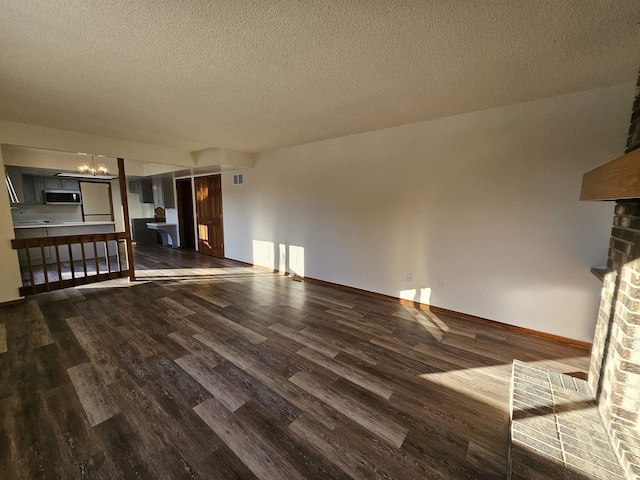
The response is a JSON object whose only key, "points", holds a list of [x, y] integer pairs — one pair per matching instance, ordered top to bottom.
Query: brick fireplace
{"points": [[614, 373], [567, 428]]}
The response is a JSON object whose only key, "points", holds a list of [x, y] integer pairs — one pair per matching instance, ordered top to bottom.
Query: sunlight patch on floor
{"points": [[182, 273], [178, 275], [117, 283], [428, 320], [489, 385]]}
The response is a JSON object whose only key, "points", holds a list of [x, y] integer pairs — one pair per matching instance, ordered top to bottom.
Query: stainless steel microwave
{"points": [[62, 197]]}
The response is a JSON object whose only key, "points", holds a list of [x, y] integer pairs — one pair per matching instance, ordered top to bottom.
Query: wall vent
{"points": [[238, 179]]}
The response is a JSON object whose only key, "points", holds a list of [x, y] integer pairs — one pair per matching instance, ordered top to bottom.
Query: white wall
{"points": [[487, 201], [136, 208], [10, 279]]}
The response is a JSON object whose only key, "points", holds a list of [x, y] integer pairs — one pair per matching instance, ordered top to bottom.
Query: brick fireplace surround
{"points": [[614, 372], [567, 428]]}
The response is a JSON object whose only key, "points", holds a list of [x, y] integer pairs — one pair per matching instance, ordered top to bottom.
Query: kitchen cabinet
{"points": [[52, 183], [57, 183], [70, 184], [33, 187], [29, 188], [146, 191], [158, 191], [163, 192], [158, 196], [86, 229], [140, 233], [35, 253]]}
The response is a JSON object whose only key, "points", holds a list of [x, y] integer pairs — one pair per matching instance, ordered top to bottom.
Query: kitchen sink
{"points": [[31, 222]]}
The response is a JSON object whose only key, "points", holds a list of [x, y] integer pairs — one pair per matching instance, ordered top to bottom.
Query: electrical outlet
{"points": [[409, 277], [442, 283]]}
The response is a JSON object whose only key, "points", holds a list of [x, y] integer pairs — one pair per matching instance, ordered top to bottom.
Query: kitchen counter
{"points": [[61, 224]]}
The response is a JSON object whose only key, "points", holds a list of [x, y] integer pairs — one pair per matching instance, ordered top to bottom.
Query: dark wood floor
{"points": [[211, 370]]}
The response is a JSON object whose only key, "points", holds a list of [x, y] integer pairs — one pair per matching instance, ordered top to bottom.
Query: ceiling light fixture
{"points": [[92, 169]]}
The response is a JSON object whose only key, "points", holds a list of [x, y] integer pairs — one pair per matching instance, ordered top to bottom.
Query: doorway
{"points": [[185, 213], [209, 215]]}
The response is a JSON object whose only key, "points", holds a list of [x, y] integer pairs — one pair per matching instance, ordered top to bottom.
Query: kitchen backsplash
{"points": [[25, 212]]}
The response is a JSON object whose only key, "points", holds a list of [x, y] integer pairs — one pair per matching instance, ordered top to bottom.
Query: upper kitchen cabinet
{"points": [[57, 183], [70, 184], [29, 188], [33, 188], [146, 191], [158, 191], [163, 192]]}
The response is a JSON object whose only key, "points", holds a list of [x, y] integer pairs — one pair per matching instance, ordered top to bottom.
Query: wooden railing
{"points": [[52, 263]]}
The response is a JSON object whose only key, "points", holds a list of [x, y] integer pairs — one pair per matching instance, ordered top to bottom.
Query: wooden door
{"points": [[209, 215]]}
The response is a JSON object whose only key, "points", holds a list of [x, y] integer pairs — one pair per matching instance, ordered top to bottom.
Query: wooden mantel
{"points": [[618, 179]]}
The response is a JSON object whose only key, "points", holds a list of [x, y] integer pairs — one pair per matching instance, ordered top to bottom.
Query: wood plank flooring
{"points": [[207, 369]]}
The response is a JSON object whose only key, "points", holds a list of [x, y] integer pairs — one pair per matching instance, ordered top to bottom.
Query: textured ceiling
{"points": [[253, 75]]}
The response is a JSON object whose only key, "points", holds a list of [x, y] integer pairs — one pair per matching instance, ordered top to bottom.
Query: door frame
{"points": [[183, 226]]}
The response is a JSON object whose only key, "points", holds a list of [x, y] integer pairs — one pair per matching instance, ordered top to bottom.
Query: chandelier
{"points": [[93, 169]]}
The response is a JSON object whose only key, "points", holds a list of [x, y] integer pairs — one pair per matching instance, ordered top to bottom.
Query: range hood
{"points": [[13, 196]]}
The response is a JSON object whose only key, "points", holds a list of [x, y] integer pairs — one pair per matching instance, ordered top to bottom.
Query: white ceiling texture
{"points": [[254, 75]]}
